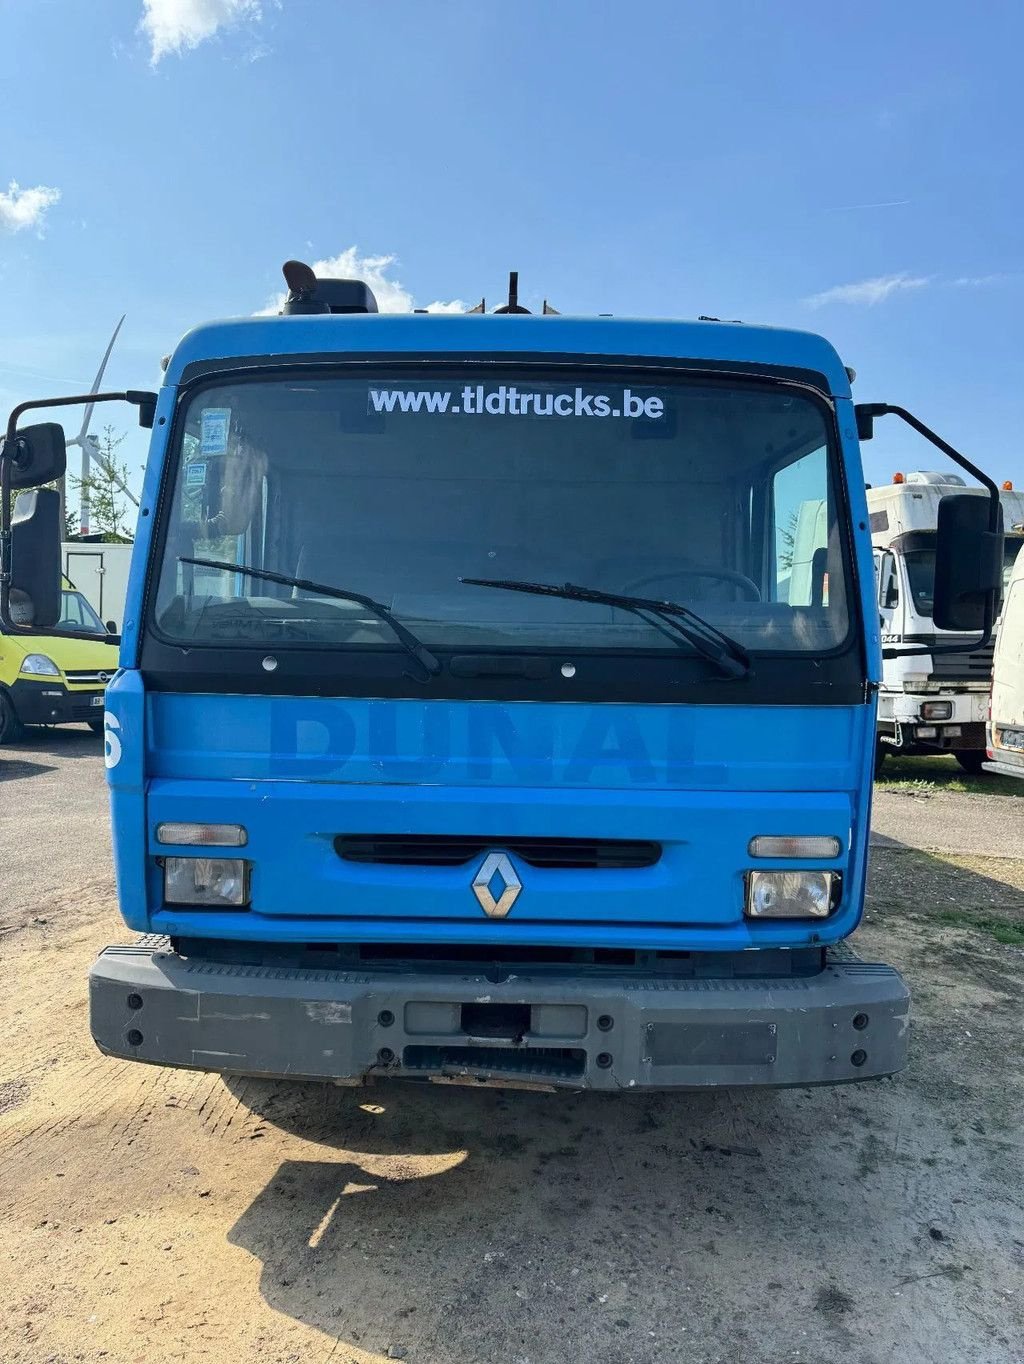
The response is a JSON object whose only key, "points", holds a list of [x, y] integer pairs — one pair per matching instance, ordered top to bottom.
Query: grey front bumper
{"points": [[849, 1022]]}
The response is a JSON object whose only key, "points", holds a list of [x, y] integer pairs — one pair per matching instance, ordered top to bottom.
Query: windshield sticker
{"points": [[507, 400], [215, 424], [195, 475]]}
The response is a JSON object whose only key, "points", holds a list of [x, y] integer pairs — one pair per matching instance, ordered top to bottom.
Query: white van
{"points": [[100, 572], [1006, 717]]}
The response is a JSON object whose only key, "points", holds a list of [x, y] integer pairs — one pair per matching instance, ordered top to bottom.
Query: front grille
{"points": [[963, 667], [88, 677], [84, 713], [454, 850], [558, 1063]]}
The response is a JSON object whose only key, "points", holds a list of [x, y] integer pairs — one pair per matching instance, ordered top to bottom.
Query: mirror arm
{"points": [[79, 399], [142, 400], [883, 409], [871, 410]]}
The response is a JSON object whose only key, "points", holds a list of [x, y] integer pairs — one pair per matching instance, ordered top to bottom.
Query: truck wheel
{"points": [[96, 726], [11, 728], [881, 752], [971, 760]]}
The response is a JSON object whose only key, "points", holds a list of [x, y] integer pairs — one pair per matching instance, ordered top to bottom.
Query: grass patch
{"points": [[940, 772], [916, 787], [984, 894], [1010, 934]]}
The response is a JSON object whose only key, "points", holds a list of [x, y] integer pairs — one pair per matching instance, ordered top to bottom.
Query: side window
{"points": [[800, 516], [888, 584], [71, 613]]}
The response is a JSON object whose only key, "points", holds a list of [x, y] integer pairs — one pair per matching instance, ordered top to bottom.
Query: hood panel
{"points": [[76, 653]]}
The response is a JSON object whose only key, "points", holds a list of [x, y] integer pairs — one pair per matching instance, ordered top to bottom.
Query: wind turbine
{"points": [[89, 445]]}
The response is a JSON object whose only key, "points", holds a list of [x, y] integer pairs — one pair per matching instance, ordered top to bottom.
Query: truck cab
{"points": [[54, 679], [497, 702], [929, 702]]}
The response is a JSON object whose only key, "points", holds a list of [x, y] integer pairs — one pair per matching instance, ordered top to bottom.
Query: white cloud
{"points": [[176, 26], [21, 208], [377, 271], [979, 281], [869, 291]]}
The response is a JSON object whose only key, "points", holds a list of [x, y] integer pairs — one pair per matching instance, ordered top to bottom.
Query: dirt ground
{"points": [[151, 1215]]}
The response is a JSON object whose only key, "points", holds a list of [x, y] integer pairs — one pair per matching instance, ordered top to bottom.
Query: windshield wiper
{"points": [[684, 625], [414, 647]]}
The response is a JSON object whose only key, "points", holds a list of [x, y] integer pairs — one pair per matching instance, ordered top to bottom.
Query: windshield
{"points": [[719, 496], [921, 572], [77, 614]]}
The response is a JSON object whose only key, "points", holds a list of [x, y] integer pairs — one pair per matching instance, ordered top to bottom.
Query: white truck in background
{"points": [[100, 572], [929, 704], [1006, 722]]}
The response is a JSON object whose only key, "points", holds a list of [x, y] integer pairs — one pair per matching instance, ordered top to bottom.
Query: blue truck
{"points": [[472, 724]]}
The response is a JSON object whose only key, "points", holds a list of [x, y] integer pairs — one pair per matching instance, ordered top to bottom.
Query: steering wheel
{"points": [[750, 589]]}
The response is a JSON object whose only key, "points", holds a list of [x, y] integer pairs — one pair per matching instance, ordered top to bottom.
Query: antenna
{"points": [[512, 306], [89, 445]]}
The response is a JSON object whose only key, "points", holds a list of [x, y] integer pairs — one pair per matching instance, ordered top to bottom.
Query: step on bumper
{"points": [[849, 1022]]}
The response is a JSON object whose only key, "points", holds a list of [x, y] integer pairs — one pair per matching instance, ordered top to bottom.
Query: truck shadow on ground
{"points": [[459, 1215], [477, 1225]]}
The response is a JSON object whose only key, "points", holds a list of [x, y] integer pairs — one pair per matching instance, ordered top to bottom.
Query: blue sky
{"points": [[855, 170]]}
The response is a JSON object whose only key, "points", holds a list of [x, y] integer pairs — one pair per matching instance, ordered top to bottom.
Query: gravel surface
{"points": [[54, 820], [942, 821]]}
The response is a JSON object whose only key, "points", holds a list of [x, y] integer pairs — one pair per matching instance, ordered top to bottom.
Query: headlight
{"points": [[39, 663], [936, 710], [212, 882], [791, 894]]}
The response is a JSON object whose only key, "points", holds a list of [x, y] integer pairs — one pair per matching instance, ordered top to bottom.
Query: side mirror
{"points": [[146, 403], [865, 414], [39, 456], [35, 555], [968, 564], [110, 626]]}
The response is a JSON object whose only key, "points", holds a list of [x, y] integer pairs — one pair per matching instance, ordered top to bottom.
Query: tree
{"points": [[110, 511], [787, 542]]}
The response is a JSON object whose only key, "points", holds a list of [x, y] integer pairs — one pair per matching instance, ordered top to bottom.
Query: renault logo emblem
{"points": [[496, 867]]}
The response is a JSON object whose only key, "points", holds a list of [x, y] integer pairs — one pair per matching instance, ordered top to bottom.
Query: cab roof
{"points": [[270, 340]]}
